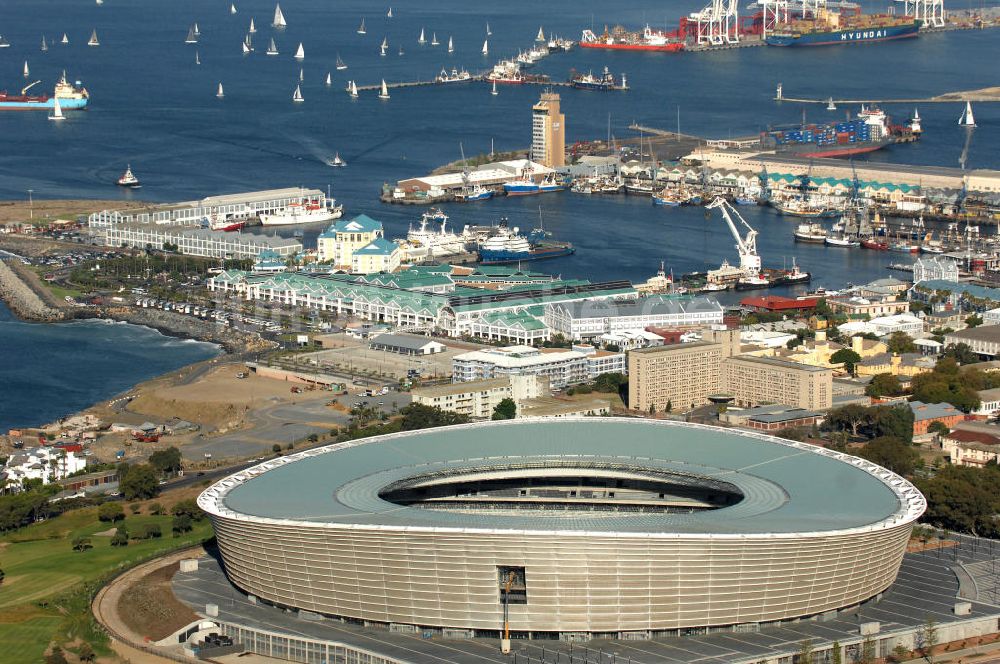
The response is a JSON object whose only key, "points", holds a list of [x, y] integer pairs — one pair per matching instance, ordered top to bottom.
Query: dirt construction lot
{"points": [[353, 356]]}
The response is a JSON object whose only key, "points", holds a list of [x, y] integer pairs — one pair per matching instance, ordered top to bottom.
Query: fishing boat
{"points": [[99, 2], [232, 9], [279, 18], [252, 28], [361, 28], [191, 38], [93, 39], [421, 39], [434, 39], [64, 40], [385, 45], [451, 45], [45, 46], [486, 47], [272, 48], [341, 66], [27, 72], [454, 76], [329, 79], [219, 93], [383, 93], [297, 95], [830, 106], [57, 113], [967, 119], [337, 161], [128, 179], [523, 186], [474, 193], [667, 198], [798, 208], [308, 212], [216, 223], [812, 233], [842, 241], [425, 243], [875, 245], [904, 247]]}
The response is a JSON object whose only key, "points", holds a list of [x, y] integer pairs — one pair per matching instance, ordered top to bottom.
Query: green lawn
{"points": [[43, 573]]}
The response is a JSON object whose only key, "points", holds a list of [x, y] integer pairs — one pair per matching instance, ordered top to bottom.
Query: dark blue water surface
{"points": [[48, 371]]}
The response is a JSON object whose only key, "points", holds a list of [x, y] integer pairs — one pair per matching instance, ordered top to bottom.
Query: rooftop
{"points": [[648, 306], [980, 333], [407, 341], [449, 389], [929, 411]]}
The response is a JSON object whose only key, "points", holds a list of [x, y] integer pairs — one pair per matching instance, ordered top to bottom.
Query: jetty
{"points": [[478, 78], [991, 94]]}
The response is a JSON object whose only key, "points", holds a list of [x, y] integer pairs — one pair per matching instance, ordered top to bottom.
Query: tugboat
{"points": [[337, 161], [128, 179]]}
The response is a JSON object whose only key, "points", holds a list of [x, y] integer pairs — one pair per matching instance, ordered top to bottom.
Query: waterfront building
{"points": [[548, 132], [491, 176], [198, 242], [337, 244], [379, 255], [268, 261], [856, 306], [588, 320], [983, 340], [561, 366], [477, 398], [48, 464]]}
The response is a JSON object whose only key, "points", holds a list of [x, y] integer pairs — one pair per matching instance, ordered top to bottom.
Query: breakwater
{"points": [[21, 298]]}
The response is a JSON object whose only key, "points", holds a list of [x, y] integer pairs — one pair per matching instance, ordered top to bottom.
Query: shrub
{"points": [[110, 512], [181, 524]]}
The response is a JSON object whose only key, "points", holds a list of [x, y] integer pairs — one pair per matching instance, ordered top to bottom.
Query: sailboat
{"points": [[99, 2], [232, 9], [389, 13], [279, 18], [252, 28], [361, 28], [197, 32], [489, 33], [540, 37], [192, 38], [93, 39], [422, 39], [434, 39], [385, 45], [451, 45], [45, 46], [246, 47], [486, 47], [272, 48], [401, 50], [300, 54], [197, 58], [341, 66], [27, 72], [302, 75], [329, 79], [354, 90], [494, 91], [384, 92], [220, 94], [297, 95], [830, 106], [57, 113], [967, 119], [337, 161]]}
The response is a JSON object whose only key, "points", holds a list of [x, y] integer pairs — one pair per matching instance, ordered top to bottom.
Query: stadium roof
{"points": [[788, 488]]}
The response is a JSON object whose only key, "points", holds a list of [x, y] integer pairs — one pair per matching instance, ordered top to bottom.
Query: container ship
{"points": [[829, 28], [622, 40], [70, 98], [871, 130], [509, 246]]}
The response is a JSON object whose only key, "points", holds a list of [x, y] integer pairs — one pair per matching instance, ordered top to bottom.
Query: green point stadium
{"points": [[602, 526]]}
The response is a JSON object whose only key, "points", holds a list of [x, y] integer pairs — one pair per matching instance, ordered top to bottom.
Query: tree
{"points": [[974, 321], [901, 342], [793, 343], [960, 352], [847, 357], [610, 382], [883, 385], [669, 407], [505, 410], [418, 416], [851, 416], [893, 421], [939, 427], [276, 448], [891, 453], [166, 461], [140, 483], [963, 499], [188, 507], [156, 509], [110, 512], [181, 524], [149, 531], [120, 538], [82, 544], [3, 575], [928, 638], [868, 651], [86, 652], [900, 653], [836, 654], [805, 655], [56, 656]]}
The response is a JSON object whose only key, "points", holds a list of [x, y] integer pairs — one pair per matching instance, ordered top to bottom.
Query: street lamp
{"points": [[31, 205]]}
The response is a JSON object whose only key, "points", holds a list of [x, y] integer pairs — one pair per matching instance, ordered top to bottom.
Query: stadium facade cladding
{"points": [[600, 526]]}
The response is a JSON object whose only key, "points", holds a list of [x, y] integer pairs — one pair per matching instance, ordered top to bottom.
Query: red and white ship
{"points": [[620, 39]]}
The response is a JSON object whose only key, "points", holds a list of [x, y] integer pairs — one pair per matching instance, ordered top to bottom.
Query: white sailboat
{"points": [[99, 2], [232, 9], [389, 13], [279, 18], [252, 28], [361, 28], [197, 32], [489, 33], [540, 37], [191, 38], [65, 39], [93, 39], [422, 39], [434, 39], [385, 45], [451, 45], [45, 46], [246, 47], [486, 47], [272, 48], [401, 50], [300, 54], [197, 58], [341, 65], [27, 72], [302, 75], [329, 79], [354, 89], [494, 91], [384, 92], [220, 94], [297, 95], [830, 106], [57, 113], [967, 119]]}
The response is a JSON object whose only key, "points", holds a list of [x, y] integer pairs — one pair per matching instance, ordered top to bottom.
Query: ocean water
{"points": [[49, 371]]}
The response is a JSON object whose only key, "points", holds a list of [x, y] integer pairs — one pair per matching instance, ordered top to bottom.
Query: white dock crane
{"points": [[930, 12], [718, 23], [746, 246]]}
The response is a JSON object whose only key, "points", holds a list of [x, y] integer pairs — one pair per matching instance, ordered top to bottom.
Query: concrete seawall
{"points": [[22, 299]]}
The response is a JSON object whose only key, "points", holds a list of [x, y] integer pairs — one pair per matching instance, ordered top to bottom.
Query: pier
{"points": [[479, 78], [981, 95]]}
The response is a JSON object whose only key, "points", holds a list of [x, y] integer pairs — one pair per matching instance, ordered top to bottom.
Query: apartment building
{"points": [[561, 367], [753, 381], [478, 398]]}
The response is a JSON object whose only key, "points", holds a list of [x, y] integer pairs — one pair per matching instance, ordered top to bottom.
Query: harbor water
{"points": [[154, 108], [49, 371]]}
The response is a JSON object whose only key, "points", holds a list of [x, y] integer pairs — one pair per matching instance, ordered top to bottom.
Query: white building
{"points": [[198, 241], [937, 267], [991, 317], [590, 319], [886, 325], [767, 338], [630, 339], [983, 340], [562, 367], [478, 398], [989, 403], [45, 463]]}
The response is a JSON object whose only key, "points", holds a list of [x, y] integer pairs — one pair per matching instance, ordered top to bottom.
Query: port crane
{"points": [[930, 12], [718, 23], [25, 89], [746, 246]]}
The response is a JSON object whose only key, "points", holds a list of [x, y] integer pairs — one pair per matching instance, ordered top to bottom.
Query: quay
{"points": [[479, 78]]}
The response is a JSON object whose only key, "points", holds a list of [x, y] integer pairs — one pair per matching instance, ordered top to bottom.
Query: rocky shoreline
{"points": [[23, 300]]}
